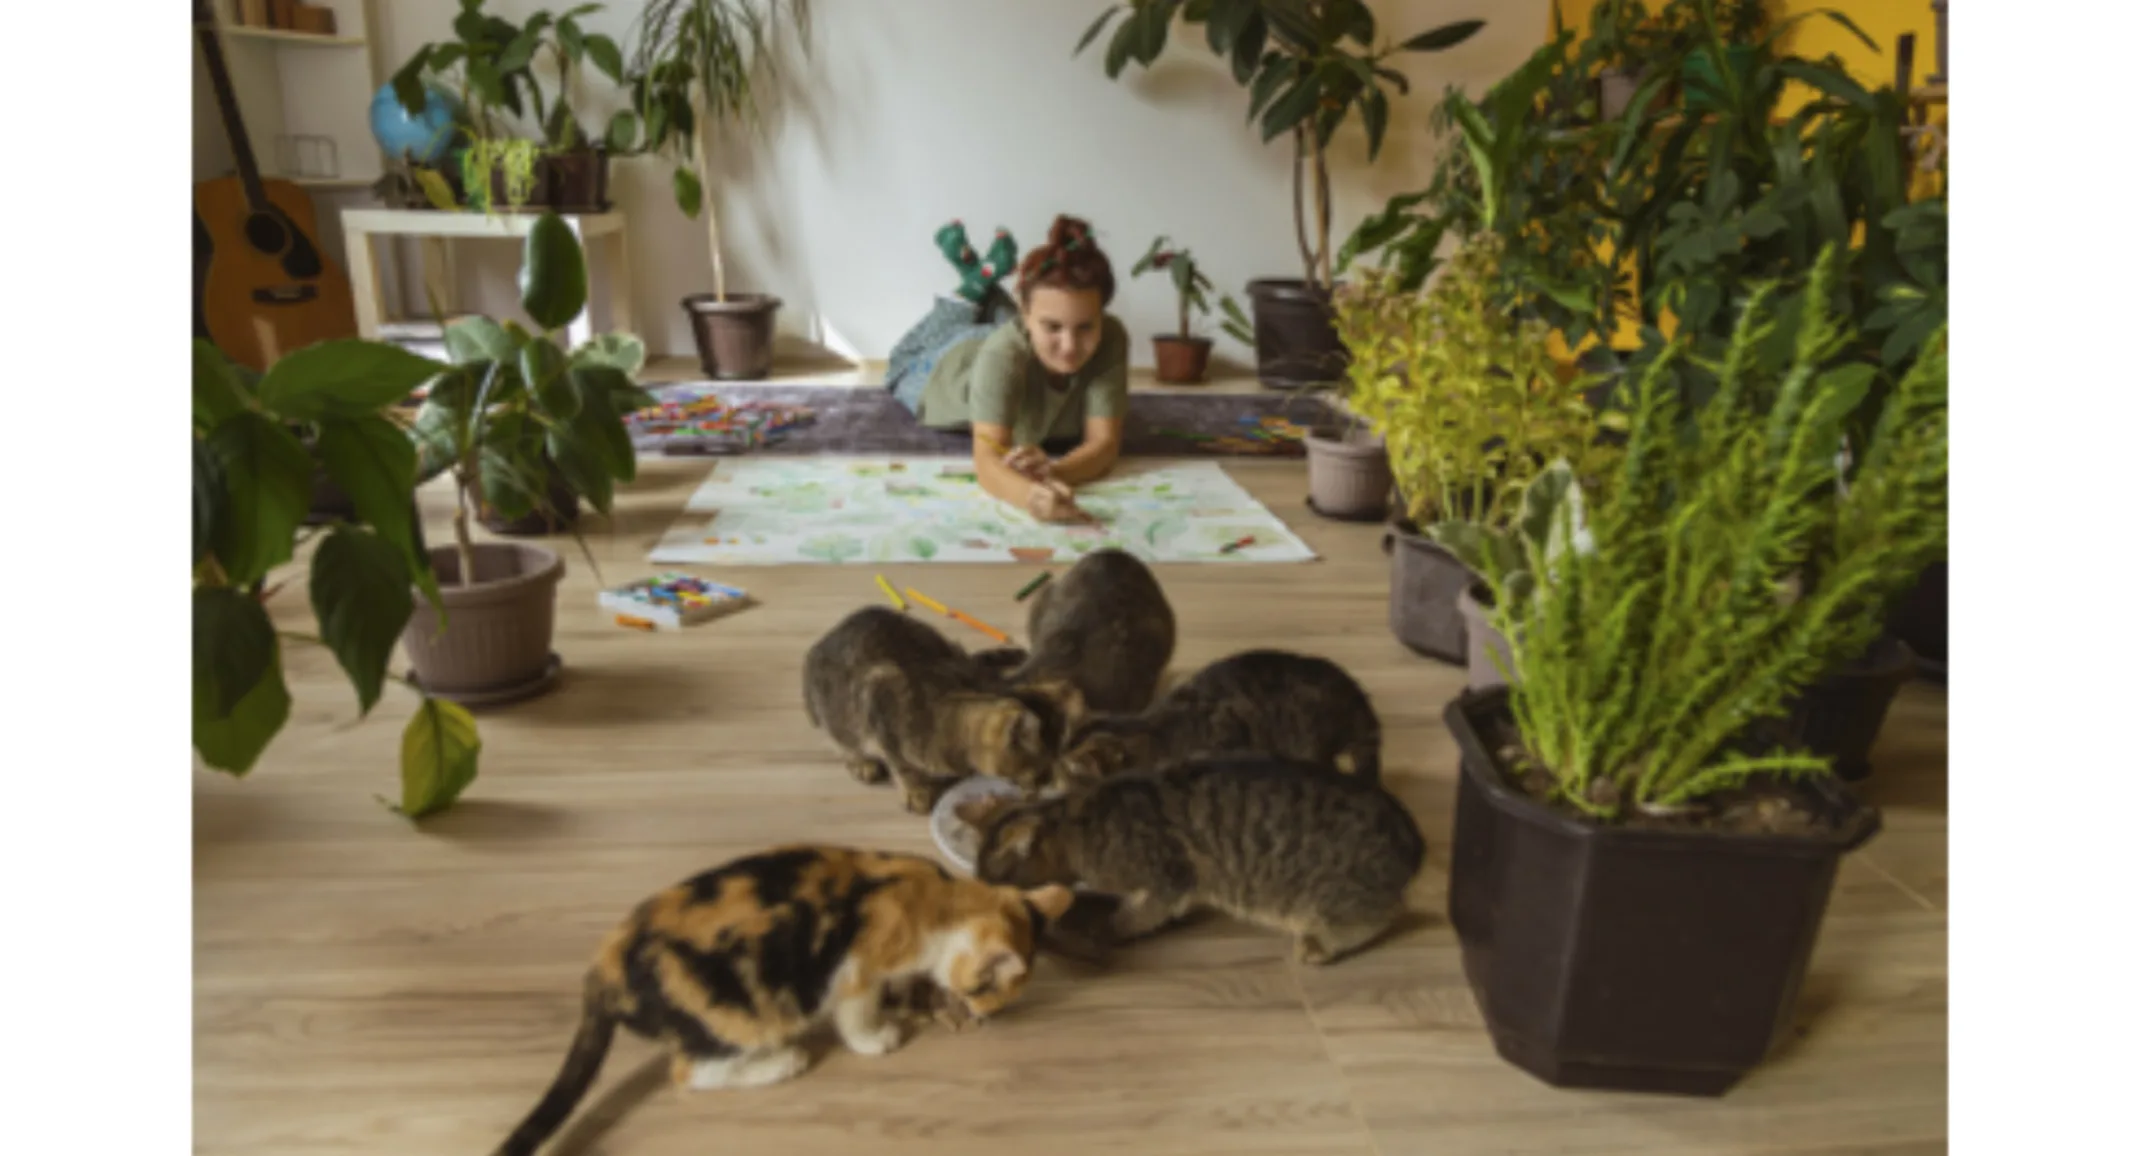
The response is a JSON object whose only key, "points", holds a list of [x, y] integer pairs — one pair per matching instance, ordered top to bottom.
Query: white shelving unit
{"points": [[294, 86]]}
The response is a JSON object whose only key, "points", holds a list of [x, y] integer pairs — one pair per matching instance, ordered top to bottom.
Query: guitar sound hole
{"points": [[266, 233]]}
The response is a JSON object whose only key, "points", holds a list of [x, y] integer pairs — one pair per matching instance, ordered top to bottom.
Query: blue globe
{"points": [[425, 139]]}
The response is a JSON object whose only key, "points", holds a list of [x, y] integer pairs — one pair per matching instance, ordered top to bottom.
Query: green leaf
{"points": [[1229, 19], [1151, 24], [1092, 33], [1445, 37], [571, 39], [1121, 45], [1248, 48], [522, 49], [603, 51], [1276, 71], [1830, 81], [408, 83], [1292, 107], [1375, 113], [623, 132], [688, 193], [553, 273], [477, 339], [619, 351], [542, 367], [344, 377], [216, 392], [599, 422], [374, 462], [584, 470], [267, 479], [207, 498], [360, 590], [233, 642], [234, 742], [438, 757]]}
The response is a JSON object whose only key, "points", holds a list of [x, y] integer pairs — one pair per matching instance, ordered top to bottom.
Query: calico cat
{"points": [[1103, 627], [904, 702], [1269, 702], [1291, 846], [732, 968]]}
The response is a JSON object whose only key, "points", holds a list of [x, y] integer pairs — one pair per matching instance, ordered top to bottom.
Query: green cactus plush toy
{"points": [[979, 279]]}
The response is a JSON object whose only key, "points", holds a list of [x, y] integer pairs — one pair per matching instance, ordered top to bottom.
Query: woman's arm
{"points": [[1093, 456], [999, 480]]}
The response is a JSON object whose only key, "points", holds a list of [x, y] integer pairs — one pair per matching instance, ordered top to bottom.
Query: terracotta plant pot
{"points": [[735, 337], [1297, 344], [1181, 360], [1348, 474], [1425, 581], [1481, 641], [496, 643], [1631, 959]]}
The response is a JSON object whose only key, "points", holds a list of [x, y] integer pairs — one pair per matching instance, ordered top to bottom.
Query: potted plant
{"points": [[696, 64], [490, 66], [1309, 66], [1183, 357], [1464, 392], [513, 405], [253, 484], [1637, 888]]}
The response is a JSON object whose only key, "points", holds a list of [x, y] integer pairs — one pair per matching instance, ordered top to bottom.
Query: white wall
{"points": [[908, 114]]}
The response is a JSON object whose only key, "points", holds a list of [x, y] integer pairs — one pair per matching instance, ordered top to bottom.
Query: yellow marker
{"points": [[891, 593], [927, 601]]}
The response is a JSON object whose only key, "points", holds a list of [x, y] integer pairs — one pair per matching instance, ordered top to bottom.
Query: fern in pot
{"points": [[1459, 383], [513, 406], [1637, 877]]}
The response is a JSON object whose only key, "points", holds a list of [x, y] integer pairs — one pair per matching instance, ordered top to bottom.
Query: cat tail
{"points": [[583, 1062]]}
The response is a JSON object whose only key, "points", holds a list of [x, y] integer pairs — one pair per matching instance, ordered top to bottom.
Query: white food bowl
{"points": [[948, 829]]}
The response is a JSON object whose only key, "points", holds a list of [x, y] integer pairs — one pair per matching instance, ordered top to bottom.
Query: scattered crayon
{"points": [[1230, 547], [1026, 591], [892, 594], [927, 601], [634, 623], [1000, 637]]}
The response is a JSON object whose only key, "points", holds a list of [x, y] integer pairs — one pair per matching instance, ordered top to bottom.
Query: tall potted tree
{"points": [[696, 64], [1309, 66], [513, 406], [258, 444], [1637, 881]]}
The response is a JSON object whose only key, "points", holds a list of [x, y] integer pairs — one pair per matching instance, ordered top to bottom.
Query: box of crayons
{"points": [[671, 601]]}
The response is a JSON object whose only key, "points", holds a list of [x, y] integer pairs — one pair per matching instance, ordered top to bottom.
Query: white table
{"points": [[360, 226]]}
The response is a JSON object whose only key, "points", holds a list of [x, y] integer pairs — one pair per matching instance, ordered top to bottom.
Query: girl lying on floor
{"points": [[1050, 372]]}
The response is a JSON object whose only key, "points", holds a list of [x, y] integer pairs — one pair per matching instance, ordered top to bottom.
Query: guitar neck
{"points": [[226, 99]]}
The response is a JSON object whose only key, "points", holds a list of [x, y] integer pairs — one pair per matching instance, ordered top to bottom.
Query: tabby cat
{"points": [[1102, 627], [903, 701], [1269, 702], [1287, 845], [732, 968]]}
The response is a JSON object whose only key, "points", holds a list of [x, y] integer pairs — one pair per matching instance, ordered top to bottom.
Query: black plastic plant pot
{"points": [[1841, 715], [1631, 959]]}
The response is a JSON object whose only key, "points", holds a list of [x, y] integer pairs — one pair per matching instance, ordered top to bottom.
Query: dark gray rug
{"points": [[868, 420]]}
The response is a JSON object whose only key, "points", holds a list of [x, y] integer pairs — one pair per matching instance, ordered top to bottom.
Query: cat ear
{"points": [[1052, 900]]}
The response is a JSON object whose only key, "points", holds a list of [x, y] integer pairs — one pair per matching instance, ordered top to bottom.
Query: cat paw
{"points": [[868, 771], [921, 797], [1310, 950], [883, 1041]]}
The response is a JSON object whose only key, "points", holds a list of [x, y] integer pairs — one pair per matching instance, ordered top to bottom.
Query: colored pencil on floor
{"points": [[1230, 547], [1026, 591], [891, 593], [927, 601], [1000, 637]]}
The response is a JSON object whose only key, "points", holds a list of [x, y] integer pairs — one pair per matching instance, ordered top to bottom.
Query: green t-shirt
{"points": [[996, 380]]}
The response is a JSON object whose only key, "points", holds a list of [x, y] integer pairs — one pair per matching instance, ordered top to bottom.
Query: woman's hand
{"points": [[1031, 462], [1052, 501]]}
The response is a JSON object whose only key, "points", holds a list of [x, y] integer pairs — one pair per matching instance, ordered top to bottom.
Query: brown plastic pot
{"points": [[575, 181], [735, 337], [1297, 345], [1181, 360], [1348, 473], [1425, 581], [497, 635], [1481, 641], [1639, 960]]}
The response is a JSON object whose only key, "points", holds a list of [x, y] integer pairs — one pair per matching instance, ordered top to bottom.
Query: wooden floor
{"points": [[362, 986]]}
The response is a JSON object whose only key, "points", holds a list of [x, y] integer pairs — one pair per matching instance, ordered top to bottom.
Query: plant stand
{"points": [[361, 226], [1638, 960]]}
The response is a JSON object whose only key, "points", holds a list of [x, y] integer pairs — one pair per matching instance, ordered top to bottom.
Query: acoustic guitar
{"points": [[264, 286]]}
